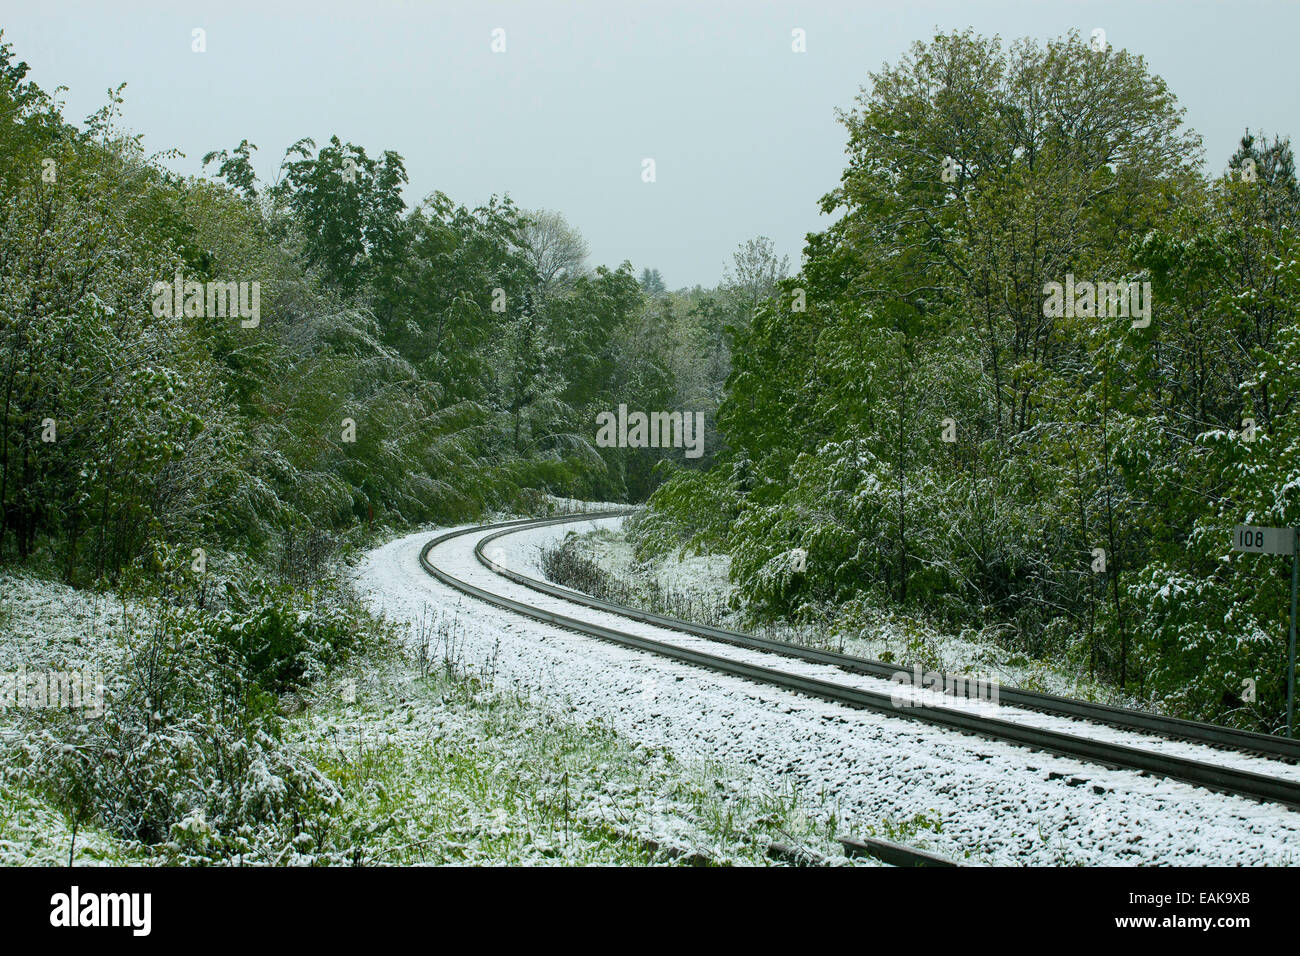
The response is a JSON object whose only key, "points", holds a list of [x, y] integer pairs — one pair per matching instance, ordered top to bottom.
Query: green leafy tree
{"points": [[347, 208]]}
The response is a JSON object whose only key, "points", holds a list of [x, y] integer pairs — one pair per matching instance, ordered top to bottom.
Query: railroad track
{"points": [[1213, 735], [1231, 780]]}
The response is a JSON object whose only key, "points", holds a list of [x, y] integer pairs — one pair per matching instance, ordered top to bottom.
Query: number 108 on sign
{"points": [[1263, 540]]}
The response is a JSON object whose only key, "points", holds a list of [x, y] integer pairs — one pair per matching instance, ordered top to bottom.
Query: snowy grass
{"points": [[44, 624], [47, 624], [432, 760], [437, 766], [34, 833]]}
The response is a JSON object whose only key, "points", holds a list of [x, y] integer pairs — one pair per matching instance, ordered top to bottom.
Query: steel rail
{"points": [[1223, 779], [895, 854]]}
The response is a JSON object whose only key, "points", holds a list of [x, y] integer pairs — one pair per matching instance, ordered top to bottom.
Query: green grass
{"points": [[435, 765], [459, 773], [35, 833]]}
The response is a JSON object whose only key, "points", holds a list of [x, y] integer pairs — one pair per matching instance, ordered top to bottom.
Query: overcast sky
{"points": [[741, 128]]}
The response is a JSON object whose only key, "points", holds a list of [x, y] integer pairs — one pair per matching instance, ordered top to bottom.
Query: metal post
{"points": [[1290, 673]]}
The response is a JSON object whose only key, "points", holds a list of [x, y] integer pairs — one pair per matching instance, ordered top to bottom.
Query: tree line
{"points": [[408, 364], [907, 410]]}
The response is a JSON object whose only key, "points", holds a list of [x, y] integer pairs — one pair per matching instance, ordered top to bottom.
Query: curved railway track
{"points": [[1231, 780]]}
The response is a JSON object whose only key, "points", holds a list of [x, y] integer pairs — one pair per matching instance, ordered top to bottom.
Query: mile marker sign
{"points": [[1263, 540], [1278, 541]]}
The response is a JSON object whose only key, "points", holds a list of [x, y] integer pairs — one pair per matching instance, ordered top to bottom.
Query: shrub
{"points": [[282, 645]]}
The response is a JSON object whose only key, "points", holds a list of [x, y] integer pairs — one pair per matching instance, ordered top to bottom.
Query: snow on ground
{"points": [[700, 576], [44, 624], [48, 626], [430, 767], [441, 771], [1002, 803]]}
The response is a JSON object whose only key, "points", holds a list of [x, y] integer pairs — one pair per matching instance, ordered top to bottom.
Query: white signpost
{"points": [[1277, 541]]}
